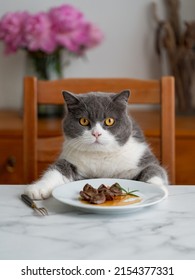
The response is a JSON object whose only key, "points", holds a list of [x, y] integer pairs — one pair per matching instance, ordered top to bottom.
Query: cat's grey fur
{"points": [[86, 158]]}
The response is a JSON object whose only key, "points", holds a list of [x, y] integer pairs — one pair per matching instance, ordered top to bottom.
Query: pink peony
{"points": [[65, 18], [66, 24], [62, 27], [11, 31], [72, 31], [38, 33], [45, 35], [95, 36]]}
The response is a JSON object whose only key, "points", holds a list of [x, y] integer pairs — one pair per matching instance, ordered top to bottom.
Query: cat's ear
{"points": [[123, 96], [70, 98]]}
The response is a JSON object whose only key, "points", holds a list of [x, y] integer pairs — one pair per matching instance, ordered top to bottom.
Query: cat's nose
{"points": [[96, 134]]}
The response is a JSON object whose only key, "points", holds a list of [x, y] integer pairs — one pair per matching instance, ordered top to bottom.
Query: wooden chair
{"points": [[49, 92]]}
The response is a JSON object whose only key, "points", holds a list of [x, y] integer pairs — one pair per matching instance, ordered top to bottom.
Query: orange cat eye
{"points": [[84, 121], [109, 121]]}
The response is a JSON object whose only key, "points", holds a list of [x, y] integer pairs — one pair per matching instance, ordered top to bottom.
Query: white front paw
{"points": [[156, 181], [43, 188], [38, 191]]}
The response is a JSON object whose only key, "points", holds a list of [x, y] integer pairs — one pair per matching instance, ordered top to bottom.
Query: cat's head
{"points": [[97, 121]]}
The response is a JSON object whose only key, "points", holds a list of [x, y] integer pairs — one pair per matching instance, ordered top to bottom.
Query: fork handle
{"points": [[28, 200]]}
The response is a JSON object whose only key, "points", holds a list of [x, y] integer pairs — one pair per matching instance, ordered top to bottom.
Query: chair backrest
{"points": [[50, 92]]}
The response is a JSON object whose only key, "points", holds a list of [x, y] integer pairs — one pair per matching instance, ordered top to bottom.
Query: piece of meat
{"points": [[86, 187], [102, 187], [115, 188], [90, 190], [108, 194], [100, 195], [85, 196], [98, 198]]}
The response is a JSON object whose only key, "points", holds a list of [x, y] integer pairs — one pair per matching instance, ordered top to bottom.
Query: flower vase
{"points": [[46, 67]]}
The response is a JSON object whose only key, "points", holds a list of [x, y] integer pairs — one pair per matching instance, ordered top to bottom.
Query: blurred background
{"points": [[126, 51]]}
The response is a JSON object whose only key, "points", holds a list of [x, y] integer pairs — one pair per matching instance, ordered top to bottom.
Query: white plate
{"points": [[150, 194]]}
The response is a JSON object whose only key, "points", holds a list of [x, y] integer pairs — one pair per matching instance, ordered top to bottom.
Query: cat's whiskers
{"points": [[76, 144], [71, 145]]}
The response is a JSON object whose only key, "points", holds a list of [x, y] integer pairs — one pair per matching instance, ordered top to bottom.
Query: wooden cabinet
{"points": [[185, 150], [11, 154], [11, 161], [11, 166]]}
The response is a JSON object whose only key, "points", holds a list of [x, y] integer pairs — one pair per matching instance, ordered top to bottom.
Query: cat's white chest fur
{"points": [[117, 163]]}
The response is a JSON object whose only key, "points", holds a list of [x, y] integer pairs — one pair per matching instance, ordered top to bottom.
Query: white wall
{"points": [[128, 48]]}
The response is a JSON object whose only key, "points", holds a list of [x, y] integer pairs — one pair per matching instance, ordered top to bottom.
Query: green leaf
{"points": [[127, 192]]}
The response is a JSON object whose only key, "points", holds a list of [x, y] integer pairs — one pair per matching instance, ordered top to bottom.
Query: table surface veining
{"points": [[162, 231]]}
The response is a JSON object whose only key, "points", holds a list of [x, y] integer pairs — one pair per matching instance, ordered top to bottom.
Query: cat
{"points": [[101, 141]]}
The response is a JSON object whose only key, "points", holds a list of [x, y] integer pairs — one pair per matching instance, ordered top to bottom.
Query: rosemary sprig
{"points": [[127, 192]]}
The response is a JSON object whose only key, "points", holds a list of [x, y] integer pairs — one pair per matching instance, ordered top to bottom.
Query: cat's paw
{"points": [[157, 181], [160, 182], [38, 191]]}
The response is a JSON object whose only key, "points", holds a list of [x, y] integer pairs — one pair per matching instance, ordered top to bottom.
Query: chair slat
{"points": [[145, 92]]}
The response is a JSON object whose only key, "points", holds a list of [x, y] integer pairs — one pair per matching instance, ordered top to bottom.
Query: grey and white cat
{"points": [[101, 140]]}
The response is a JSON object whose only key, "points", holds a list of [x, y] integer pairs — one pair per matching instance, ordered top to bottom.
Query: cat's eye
{"points": [[84, 121], [109, 121]]}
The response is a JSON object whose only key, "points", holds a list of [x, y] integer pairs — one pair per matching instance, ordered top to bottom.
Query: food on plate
{"points": [[103, 194]]}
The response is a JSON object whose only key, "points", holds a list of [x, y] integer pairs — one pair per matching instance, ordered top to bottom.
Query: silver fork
{"points": [[32, 204]]}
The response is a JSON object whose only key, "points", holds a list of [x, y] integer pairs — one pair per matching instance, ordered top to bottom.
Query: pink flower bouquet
{"points": [[46, 34]]}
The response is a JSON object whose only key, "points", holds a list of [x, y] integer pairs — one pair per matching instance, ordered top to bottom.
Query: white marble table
{"points": [[163, 231]]}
